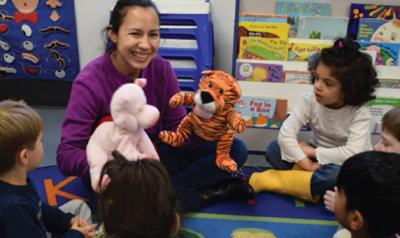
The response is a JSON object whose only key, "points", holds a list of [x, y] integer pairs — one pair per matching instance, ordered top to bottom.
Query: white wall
{"points": [[92, 17]]}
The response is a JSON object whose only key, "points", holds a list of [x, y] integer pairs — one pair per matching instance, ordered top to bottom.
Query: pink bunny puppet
{"points": [[131, 115]]}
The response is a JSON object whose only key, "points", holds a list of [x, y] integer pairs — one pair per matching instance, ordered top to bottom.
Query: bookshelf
{"points": [[257, 139]]}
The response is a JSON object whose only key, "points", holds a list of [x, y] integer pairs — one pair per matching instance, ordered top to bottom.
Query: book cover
{"points": [[295, 9], [360, 10], [262, 17], [322, 27], [367, 27], [263, 29], [262, 48], [303, 49], [387, 53], [259, 72], [297, 77], [378, 107], [262, 112]]}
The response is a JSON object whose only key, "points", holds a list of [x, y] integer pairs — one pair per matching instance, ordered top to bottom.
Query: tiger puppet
{"points": [[213, 117]]}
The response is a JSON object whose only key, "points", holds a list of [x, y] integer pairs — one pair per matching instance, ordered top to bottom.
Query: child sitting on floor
{"points": [[344, 80], [389, 142], [367, 198], [138, 201], [22, 213]]}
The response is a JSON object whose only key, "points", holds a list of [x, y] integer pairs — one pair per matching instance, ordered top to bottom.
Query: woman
{"points": [[133, 37]]}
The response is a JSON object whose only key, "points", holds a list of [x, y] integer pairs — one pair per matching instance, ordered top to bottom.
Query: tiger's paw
{"points": [[175, 100], [240, 126], [170, 138], [228, 164]]}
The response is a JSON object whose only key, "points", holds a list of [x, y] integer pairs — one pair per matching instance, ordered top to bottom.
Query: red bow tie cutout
{"points": [[32, 17]]}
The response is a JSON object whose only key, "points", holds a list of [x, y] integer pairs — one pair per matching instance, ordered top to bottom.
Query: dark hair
{"points": [[118, 14], [354, 70], [391, 122], [20, 127], [371, 182], [139, 201]]}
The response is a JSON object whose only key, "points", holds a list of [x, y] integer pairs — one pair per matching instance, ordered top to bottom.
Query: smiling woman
{"points": [[132, 38]]}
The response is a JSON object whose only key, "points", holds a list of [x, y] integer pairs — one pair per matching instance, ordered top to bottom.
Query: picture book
{"points": [[295, 9], [359, 11], [262, 17], [322, 27], [367, 27], [263, 29], [371, 29], [262, 48], [303, 49], [387, 53], [259, 72], [297, 77], [389, 83], [378, 107], [262, 112]]}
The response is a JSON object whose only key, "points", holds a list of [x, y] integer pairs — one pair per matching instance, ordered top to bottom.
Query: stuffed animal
{"points": [[131, 115], [213, 117]]}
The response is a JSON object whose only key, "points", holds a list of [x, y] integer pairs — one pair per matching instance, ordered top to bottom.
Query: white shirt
{"points": [[337, 133]]}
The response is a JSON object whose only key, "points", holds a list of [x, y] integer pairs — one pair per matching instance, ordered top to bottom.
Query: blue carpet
{"points": [[271, 216]]}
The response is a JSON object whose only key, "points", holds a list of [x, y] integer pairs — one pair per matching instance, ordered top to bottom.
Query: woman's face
{"points": [[137, 40]]}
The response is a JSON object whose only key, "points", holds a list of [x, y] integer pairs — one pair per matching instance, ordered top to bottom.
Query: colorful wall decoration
{"points": [[38, 40]]}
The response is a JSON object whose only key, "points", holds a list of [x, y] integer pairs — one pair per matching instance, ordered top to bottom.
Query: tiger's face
{"points": [[217, 91]]}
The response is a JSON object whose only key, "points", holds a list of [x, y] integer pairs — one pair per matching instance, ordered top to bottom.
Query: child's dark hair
{"points": [[118, 14], [354, 69], [391, 122], [20, 127], [371, 182], [139, 200]]}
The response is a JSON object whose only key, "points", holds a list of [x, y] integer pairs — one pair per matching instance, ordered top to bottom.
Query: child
{"points": [[344, 80], [389, 142], [367, 199], [138, 201], [22, 213]]}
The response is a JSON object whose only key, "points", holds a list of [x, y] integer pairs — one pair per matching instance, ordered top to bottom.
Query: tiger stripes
{"points": [[223, 124]]}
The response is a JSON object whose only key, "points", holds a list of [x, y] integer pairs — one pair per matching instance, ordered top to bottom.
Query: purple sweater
{"points": [[90, 101]]}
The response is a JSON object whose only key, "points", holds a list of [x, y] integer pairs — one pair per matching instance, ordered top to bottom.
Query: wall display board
{"points": [[38, 40]]}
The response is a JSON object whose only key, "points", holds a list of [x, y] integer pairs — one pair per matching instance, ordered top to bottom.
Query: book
{"points": [[295, 9], [360, 10], [262, 17], [322, 27], [367, 27], [263, 29], [262, 48], [303, 49], [387, 53], [259, 72], [297, 77], [389, 83], [378, 107], [262, 112]]}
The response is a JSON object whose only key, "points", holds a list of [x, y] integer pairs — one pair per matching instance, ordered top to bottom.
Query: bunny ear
{"points": [[141, 82]]}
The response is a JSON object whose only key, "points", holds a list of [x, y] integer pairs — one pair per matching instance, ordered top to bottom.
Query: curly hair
{"points": [[354, 70], [139, 200]]}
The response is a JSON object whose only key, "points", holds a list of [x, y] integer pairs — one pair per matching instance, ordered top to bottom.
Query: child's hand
{"points": [[308, 150], [306, 164], [329, 199], [79, 224]]}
